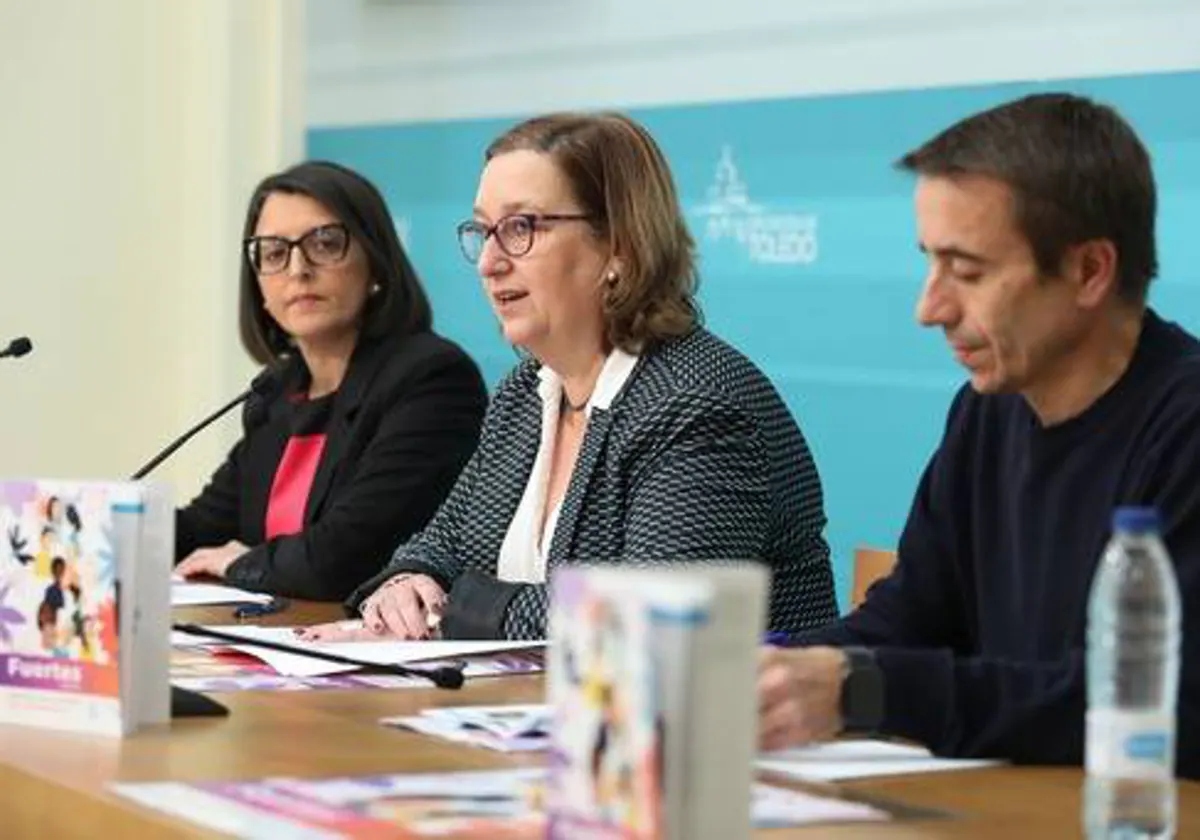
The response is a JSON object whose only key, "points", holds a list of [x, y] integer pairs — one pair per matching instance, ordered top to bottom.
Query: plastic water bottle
{"points": [[1132, 684]]}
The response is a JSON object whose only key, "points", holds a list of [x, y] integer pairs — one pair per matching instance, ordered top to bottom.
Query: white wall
{"points": [[397, 60], [133, 132]]}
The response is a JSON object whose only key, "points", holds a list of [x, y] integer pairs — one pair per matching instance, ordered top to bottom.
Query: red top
{"points": [[297, 468]]}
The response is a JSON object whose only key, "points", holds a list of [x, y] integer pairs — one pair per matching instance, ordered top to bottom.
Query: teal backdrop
{"points": [[808, 255]]}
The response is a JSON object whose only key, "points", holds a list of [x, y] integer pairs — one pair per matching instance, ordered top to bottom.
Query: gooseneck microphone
{"points": [[17, 348], [259, 386], [191, 433], [443, 676]]}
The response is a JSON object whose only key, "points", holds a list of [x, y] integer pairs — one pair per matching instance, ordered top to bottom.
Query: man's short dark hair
{"points": [[1077, 171]]}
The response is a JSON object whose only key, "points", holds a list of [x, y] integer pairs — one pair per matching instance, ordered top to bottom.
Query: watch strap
{"points": [[862, 702]]}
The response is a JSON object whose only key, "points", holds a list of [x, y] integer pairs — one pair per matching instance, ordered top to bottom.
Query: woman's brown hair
{"points": [[622, 182]]}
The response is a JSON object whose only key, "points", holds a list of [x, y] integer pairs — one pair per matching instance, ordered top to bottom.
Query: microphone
{"points": [[17, 348], [258, 387]]}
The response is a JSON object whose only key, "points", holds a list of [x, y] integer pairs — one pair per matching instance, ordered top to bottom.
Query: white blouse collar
{"points": [[618, 367]]}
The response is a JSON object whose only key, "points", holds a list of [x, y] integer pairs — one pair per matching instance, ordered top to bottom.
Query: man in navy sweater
{"points": [[1037, 218]]}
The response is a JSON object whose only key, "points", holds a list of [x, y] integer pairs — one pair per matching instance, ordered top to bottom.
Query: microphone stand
{"points": [[261, 385], [191, 433], [445, 676], [186, 703]]}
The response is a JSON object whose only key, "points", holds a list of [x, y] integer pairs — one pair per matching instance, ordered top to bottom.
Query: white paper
{"points": [[185, 594], [182, 639], [379, 653], [285, 664], [509, 721], [508, 728], [451, 730], [840, 760], [480, 783], [774, 807], [218, 812]]}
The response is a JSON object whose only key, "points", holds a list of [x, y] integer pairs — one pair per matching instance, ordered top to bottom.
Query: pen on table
{"points": [[275, 605]]}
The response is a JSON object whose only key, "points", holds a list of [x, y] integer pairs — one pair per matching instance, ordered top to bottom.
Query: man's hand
{"points": [[799, 695]]}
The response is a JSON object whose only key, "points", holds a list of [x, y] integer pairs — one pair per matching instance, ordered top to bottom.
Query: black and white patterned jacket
{"points": [[697, 458]]}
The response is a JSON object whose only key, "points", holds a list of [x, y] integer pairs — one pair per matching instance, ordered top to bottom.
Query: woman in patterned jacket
{"points": [[630, 434]]}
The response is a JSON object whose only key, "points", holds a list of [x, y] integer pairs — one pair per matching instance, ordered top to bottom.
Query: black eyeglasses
{"points": [[514, 234], [324, 245]]}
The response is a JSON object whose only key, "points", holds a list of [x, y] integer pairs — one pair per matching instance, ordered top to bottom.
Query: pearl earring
{"points": [[375, 288]]}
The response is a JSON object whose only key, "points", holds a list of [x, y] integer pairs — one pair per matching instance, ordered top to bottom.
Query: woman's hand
{"points": [[210, 562], [407, 606], [337, 631]]}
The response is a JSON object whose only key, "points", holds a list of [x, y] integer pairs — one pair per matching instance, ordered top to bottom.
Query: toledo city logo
{"points": [[788, 238]]}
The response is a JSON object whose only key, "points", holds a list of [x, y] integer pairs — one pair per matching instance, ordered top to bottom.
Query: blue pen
{"points": [[271, 607], [777, 639]]}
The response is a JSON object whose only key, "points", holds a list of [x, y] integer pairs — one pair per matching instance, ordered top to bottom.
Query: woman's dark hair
{"points": [[400, 305]]}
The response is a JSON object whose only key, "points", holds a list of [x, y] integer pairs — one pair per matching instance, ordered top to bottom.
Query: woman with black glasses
{"points": [[362, 418], [630, 434]]}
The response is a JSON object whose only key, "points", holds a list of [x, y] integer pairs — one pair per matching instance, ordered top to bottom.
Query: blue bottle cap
{"points": [[1136, 520]]}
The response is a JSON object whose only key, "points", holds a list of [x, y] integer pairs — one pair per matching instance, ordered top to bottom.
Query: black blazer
{"points": [[405, 420], [697, 458]]}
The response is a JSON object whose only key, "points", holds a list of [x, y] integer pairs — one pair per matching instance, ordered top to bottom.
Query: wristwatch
{"points": [[862, 691]]}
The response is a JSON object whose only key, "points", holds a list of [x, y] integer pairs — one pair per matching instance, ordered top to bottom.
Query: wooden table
{"points": [[53, 785]]}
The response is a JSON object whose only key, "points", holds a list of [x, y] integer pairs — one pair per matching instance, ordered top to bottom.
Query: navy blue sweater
{"points": [[980, 630]]}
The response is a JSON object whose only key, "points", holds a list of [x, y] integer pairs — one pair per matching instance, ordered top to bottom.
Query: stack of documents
{"points": [[295, 663]]}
